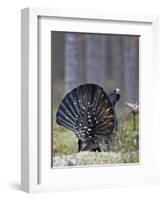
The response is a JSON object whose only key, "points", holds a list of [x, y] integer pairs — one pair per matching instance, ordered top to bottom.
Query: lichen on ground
{"points": [[95, 158]]}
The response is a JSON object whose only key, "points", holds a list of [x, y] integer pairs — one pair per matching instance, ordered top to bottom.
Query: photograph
{"points": [[94, 99]]}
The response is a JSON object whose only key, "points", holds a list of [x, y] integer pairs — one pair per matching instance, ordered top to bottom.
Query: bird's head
{"points": [[117, 92], [114, 95]]}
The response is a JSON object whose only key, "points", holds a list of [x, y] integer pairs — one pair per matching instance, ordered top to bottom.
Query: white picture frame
{"points": [[36, 171]]}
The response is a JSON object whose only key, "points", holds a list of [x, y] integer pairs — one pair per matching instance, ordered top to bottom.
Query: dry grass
{"points": [[124, 149]]}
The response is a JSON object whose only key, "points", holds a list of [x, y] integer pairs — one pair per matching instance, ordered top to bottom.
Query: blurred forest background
{"points": [[111, 61]]}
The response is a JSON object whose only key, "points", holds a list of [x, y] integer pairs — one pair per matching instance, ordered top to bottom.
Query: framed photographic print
{"points": [[87, 114]]}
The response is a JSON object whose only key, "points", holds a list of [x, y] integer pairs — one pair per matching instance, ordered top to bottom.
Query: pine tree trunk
{"points": [[95, 59], [117, 62], [131, 62], [71, 63]]}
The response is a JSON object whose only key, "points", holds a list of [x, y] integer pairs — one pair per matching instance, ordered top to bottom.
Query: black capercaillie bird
{"points": [[89, 112]]}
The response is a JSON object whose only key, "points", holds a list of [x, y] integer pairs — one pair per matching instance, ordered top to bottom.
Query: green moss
{"points": [[64, 141]]}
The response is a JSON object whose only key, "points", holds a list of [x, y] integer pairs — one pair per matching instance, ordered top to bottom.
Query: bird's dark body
{"points": [[114, 98], [89, 112]]}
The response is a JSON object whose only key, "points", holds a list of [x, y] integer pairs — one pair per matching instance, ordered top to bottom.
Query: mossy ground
{"points": [[124, 146]]}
